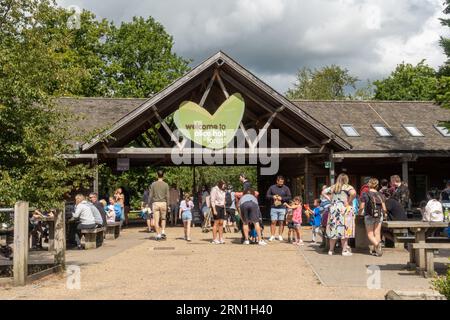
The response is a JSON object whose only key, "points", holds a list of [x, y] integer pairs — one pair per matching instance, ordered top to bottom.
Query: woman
{"points": [[119, 197], [373, 208], [218, 210], [250, 213], [340, 219]]}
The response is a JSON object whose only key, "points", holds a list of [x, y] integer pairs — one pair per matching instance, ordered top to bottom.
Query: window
{"points": [[349, 130], [382, 130], [412, 130], [443, 130]]}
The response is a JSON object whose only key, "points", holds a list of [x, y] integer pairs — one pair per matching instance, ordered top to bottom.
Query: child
{"points": [[117, 209], [109, 211], [146, 214], [186, 215], [296, 219], [316, 220], [289, 223]]}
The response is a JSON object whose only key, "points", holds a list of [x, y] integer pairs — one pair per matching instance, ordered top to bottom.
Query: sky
{"points": [[274, 38]]}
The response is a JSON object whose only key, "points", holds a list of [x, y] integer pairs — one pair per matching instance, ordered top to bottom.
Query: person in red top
{"points": [[297, 219]]}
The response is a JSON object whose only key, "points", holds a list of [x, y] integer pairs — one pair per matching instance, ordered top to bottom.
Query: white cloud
{"points": [[274, 38]]}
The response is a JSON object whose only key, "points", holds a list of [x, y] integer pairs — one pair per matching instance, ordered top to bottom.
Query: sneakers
{"points": [[163, 235], [158, 237], [272, 238], [280, 238], [188, 239], [221, 241], [215, 242], [246, 242], [262, 243], [379, 250], [330, 253], [346, 253]]}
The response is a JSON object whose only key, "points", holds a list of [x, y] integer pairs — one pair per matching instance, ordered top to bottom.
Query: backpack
{"points": [[401, 194], [228, 200], [374, 207]]}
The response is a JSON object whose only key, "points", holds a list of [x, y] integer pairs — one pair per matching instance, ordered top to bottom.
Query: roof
{"points": [[392, 114], [294, 121]]}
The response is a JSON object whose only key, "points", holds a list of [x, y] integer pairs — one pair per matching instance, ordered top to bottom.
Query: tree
{"points": [[139, 59], [35, 66], [408, 82], [327, 83], [443, 86]]}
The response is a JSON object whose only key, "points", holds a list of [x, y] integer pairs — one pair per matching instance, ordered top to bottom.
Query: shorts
{"points": [[159, 211], [205, 211], [249, 212], [220, 213], [231, 213], [277, 214], [186, 216], [370, 221]]}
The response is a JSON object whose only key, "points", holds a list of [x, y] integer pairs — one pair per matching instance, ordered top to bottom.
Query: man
{"points": [[245, 183], [400, 191], [278, 194], [174, 195], [445, 195], [160, 197], [93, 198], [84, 213]]}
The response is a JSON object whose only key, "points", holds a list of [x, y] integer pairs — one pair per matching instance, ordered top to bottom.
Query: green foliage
{"points": [[140, 61], [35, 65], [408, 82], [327, 83], [443, 86], [442, 284]]}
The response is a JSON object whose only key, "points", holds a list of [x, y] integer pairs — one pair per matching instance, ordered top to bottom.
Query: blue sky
{"points": [[274, 38]]}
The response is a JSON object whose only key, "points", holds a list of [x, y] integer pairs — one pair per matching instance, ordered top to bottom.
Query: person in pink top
{"points": [[297, 219]]}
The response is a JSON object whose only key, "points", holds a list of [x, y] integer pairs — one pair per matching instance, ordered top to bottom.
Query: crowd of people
{"points": [[332, 218]]}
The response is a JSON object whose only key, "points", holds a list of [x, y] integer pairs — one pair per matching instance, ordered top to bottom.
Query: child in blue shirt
{"points": [[316, 220]]}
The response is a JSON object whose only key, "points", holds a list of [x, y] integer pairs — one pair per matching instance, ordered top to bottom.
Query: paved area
{"points": [[136, 267]]}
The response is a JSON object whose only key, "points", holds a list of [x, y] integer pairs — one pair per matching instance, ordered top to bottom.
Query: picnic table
{"points": [[419, 228]]}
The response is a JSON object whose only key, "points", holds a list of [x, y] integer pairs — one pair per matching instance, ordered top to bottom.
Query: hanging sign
{"points": [[211, 131], [123, 164], [327, 164]]}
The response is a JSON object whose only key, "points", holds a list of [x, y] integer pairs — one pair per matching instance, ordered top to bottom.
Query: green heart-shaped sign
{"points": [[211, 131]]}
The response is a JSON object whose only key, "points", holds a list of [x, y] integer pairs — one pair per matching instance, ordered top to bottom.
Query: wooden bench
{"points": [[112, 230], [398, 236], [93, 237], [430, 249]]}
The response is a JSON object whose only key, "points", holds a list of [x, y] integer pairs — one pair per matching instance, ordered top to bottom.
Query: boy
{"points": [[316, 221], [290, 224]]}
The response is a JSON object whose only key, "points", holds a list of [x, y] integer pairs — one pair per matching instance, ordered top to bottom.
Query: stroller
{"points": [[207, 221]]}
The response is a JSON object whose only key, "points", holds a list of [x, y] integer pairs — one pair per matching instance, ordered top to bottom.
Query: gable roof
{"points": [[238, 78], [393, 115]]}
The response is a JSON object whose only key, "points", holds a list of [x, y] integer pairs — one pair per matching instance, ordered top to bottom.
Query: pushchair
{"points": [[207, 221]]}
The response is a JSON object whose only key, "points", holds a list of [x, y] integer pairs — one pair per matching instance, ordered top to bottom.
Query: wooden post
{"points": [[95, 164], [405, 170], [332, 173], [307, 179], [60, 239], [20, 263]]}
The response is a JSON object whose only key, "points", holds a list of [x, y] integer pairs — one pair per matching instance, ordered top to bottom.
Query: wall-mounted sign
{"points": [[211, 131], [123, 164], [327, 164]]}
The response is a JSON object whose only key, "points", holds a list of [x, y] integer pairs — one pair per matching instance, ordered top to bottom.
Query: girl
{"points": [[109, 210], [186, 215], [297, 219]]}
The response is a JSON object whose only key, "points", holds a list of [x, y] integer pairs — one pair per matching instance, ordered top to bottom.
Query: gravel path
{"points": [[175, 269]]}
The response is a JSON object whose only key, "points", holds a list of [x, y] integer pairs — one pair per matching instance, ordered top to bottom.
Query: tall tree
{"points": [[140, 59], [35, 66], [408, 82], [327, 83], [443, 86]]}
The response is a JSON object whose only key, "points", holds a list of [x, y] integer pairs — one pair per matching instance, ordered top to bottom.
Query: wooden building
{"points": [[317, 139]]}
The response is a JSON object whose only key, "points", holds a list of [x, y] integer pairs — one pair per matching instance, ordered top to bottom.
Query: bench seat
{"points": [[113, 230], [93, 237], [430, 250]]}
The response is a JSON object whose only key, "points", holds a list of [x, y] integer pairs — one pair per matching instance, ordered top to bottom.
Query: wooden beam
{"points": [[208, 88], [166, 127], [406, 155]]}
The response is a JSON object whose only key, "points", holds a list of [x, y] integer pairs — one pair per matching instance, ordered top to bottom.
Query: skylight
{"points": [[349, 130], [382, 130], [412, 130], [443, 130]]}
